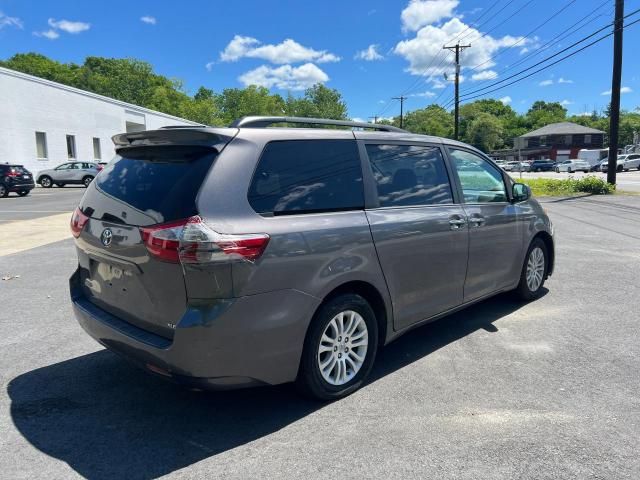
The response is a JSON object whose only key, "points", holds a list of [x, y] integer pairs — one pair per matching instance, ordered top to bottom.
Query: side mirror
{"points": [[521, 192]]}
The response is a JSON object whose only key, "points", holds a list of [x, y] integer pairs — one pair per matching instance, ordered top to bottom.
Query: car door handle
{"points": [[477, 220], [457, 223]]}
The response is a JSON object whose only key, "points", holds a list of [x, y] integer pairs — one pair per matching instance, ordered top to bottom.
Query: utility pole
{"points": [[457, 48], [616, 79], [402, 99], [375, 119]]}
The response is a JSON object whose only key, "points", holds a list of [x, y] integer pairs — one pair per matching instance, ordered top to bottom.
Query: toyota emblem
{"points": [[106, 237]]}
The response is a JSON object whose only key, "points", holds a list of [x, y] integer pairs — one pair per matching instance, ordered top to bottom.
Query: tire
{"points": [[619, 168], [557, 170], [569, 170], [586, 171], [46, 181], [86, 181], [60, 185], [4, 191], [23, 193], [530, 290], [326, 322]]}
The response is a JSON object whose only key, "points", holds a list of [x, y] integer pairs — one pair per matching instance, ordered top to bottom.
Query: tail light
{"points": [[99, 167], [78, 221], [192, 241]]}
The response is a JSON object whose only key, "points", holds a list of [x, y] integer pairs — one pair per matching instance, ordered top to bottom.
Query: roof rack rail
{"points": [[264, 122]]}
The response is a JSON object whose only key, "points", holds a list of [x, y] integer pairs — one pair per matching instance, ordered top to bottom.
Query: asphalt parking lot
{"points": [[502, 390]]}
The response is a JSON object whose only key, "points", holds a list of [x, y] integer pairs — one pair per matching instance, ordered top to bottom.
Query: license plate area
{"points": [[108, 281]]}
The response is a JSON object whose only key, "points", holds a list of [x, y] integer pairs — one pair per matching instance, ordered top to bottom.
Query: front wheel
{"points": [[557, 170], [569, 170], [86, 181], [46, 182], [23, 193], [534, 271], [339, 349]]}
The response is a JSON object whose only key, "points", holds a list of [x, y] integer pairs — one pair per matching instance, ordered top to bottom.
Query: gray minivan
{"points": [[248, 255]]}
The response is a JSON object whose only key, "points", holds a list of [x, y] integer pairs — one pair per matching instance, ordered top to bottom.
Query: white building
{"points": [[44, 123]]}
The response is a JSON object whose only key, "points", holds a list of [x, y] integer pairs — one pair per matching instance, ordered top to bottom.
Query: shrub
{"points": [[570, 186]]}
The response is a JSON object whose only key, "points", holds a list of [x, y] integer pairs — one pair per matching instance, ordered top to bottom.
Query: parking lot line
{"points": [[33, 233]]}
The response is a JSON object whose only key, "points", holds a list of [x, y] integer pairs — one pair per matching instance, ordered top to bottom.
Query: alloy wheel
{"points": [[535, 269], [343, 348]]}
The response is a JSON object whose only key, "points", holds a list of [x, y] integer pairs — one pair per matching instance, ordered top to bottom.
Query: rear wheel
{"points": [[619, 168], [557, 170], [569, 170], [87, 180], [46, 182], [4, 191], [23, 193], [534, 271], [339, 349]]}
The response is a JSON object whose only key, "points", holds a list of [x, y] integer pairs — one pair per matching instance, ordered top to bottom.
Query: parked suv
{"points": [[542, 166], [79, 173], [15, 178], [230, 257]]}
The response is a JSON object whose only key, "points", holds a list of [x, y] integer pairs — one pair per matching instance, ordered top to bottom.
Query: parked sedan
{"points": [[573, 165], [516, 167], [79, 173]]}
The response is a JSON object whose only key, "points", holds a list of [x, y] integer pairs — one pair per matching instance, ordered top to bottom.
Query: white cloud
{"points": [[424, 12], [149, 19], [7, 21], [68, 26], [51, 34], [289, 51], [424, 52], [369, 54], [209, 66], [485, 75], [285, 77], [564, 80], [546, 83], [622, 90], [426, 94], [506, 100], [566, 102], [358, 119]]}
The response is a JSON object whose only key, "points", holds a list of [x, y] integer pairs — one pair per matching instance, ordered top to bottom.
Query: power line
{"points": [[559, 37], [457, 48], [546, 59], [554, 63], [402, 99]]}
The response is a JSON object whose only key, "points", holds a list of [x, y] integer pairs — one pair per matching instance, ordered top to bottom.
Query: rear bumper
{"points": [[20, 187], [224, 344]]}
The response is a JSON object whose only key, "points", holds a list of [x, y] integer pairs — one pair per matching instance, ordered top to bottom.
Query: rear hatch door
{"points": [[142, 187]]}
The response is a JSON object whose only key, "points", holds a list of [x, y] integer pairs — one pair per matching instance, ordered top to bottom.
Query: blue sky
{"points": [[368, 50]]}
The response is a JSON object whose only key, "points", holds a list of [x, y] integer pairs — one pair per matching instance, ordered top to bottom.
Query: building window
{"points": [[567, 139], [587, 139], [543, 140], [41, 145], [71, 146], [97, 153]]}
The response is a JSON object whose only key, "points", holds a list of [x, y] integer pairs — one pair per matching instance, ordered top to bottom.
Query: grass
{"points": [[571, 186]]}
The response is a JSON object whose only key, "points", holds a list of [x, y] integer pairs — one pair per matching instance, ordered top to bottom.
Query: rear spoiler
{"points": [[215, 138]]}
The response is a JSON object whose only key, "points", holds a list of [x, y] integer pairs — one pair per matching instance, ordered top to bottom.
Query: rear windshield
{"points": [[149, 185]]}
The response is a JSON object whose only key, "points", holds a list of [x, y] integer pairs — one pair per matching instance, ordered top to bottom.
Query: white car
{"points": [[632, 161], [620, 163], [573, 165]]}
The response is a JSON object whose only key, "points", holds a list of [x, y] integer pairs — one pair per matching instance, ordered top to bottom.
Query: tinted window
{"points": [[409, 175], [302, 176], [160, 181], [481, 181]]}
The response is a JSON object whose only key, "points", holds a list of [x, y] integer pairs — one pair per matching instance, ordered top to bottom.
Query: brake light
{"points": [[78, 221], [192, 241]]}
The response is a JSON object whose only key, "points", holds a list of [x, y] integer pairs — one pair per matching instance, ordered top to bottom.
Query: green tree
{"points": [[253, 100], [319, 102], [542, 113], [432, 120], [485, 132]]}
